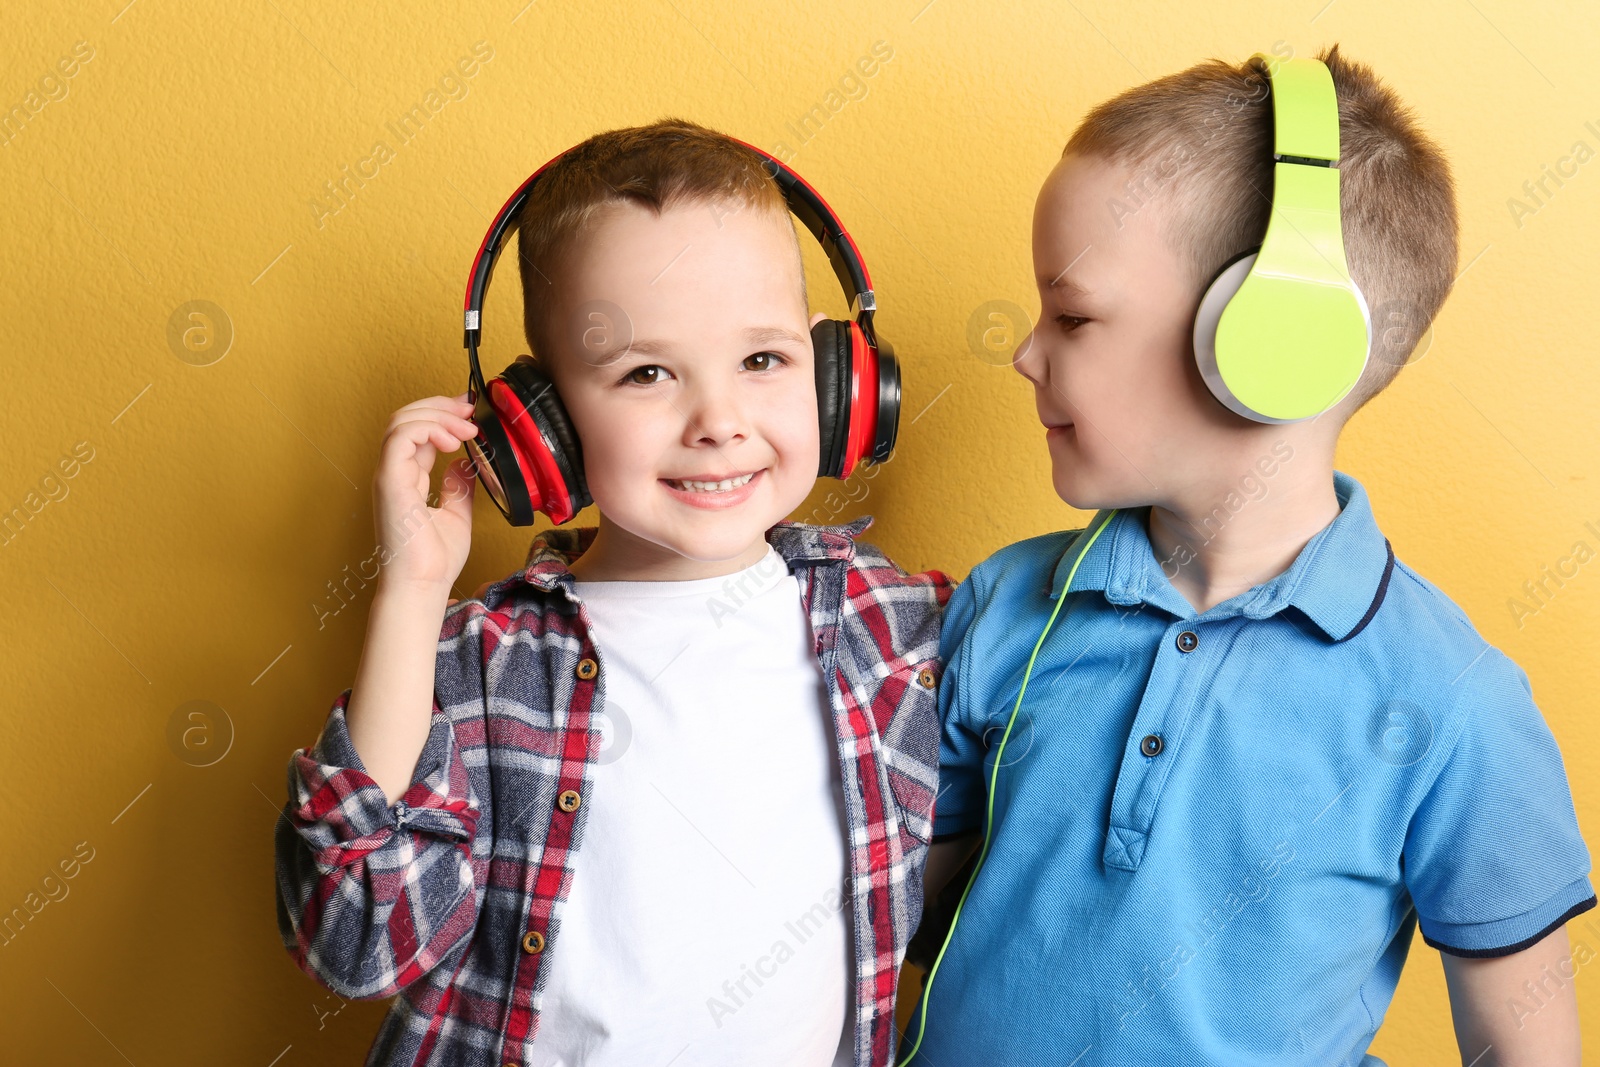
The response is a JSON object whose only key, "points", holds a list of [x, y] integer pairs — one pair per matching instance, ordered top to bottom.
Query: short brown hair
{"points": [[668, 162], [1396, 195]]}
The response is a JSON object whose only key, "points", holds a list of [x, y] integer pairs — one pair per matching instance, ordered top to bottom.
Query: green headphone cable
{"points": [[994, 775]]}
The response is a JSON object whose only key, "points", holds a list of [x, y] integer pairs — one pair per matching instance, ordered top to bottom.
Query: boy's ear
{"points": [[818, 317]]}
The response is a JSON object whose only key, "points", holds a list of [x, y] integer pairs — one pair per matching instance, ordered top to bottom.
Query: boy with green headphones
{"points": [[1213, 760]]}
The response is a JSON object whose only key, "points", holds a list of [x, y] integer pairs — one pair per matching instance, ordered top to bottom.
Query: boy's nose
{"points": [[1028, 361], [715, 417]]}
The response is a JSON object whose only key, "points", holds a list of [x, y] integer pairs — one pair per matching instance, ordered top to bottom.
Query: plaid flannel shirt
{"points": [[452, 897]]}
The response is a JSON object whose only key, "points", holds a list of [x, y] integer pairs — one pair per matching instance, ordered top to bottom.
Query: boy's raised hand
{"points": [[426, 546]]}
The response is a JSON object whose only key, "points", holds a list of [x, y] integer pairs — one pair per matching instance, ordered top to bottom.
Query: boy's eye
{"points": [[1070, 322], [762, 361], [649, 374]]}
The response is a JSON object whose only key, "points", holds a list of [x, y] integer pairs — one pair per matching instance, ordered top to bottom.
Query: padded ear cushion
{"points": [[830, 341], [538, 394]]}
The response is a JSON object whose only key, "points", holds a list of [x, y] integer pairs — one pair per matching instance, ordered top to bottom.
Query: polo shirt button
{"points": [[1188, 641], [587, 668], [1151, 745], [569, 800], [532, 942]]}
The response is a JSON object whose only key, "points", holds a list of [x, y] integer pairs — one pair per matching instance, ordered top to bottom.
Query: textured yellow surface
{"points": [[188, 555]]}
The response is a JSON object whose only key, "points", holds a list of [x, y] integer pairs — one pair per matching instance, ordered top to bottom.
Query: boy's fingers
{"points": [[435, 403], [453, 406], [451, 420], [447, 438], [413, 448], [455, 495]]}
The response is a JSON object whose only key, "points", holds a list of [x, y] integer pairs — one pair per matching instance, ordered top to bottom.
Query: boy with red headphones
{"points": [[666, 790]]}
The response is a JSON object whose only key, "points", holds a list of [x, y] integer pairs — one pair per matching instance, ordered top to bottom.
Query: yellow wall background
{"points": [[187, 559]]}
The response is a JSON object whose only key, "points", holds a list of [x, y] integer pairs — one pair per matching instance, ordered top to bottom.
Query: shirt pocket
{"points": [[911, 751], [911, 758]]}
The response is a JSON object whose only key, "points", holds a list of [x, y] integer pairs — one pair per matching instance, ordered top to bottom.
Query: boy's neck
{"points": [[1255, 544], [618, 555]]}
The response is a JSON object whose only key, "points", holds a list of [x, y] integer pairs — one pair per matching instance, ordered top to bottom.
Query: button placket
{"points": [[587, 670], [1175, 679], [533, 943]]}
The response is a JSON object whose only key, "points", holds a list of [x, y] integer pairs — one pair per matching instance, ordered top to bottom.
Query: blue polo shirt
{"points": [[1215, 833]]}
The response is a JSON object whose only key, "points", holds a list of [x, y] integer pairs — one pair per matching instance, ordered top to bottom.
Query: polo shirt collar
{"points": [[554, 550], [1337, 581]]}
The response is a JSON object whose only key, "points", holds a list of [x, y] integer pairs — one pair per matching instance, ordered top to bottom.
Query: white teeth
{"points": [[711, 487]]}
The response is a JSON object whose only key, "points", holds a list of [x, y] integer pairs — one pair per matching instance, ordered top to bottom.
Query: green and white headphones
{"points": [[1282, 332]]}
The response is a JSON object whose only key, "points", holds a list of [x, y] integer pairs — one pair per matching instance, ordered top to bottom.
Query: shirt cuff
{"points": [[343, 814], [1503, 937]]}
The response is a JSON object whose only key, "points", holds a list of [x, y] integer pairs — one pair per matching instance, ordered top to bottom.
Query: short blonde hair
{"points": [[1201, 141], [668, 162]]}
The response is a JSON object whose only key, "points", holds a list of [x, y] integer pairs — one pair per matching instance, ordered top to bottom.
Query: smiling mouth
{"points": [[696, 485]]}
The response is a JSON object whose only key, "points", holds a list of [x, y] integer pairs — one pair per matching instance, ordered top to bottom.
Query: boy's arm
{"points": [[422, 550], [392, 700], [1496, 867], [375, 879], [371, 896], [1498, 1024]]}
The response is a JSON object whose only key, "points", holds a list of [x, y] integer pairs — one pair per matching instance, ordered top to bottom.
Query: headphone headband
{"points": [[1305, 109], [804, 202]]}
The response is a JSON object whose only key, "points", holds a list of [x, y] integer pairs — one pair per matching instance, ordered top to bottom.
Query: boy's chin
{"points": [[1076, 487], [711, 536], [723, 541]]}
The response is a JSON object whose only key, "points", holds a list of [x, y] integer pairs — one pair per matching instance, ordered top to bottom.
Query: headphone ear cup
{"points": [[830, 341], [888, 427], [551, 431]]}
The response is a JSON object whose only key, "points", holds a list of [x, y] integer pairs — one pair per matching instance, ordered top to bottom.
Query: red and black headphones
{"points": [[527, 453]]}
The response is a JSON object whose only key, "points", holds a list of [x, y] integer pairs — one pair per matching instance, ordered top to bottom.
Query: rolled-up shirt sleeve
{"points": [[1494, 859], [371, 896]]}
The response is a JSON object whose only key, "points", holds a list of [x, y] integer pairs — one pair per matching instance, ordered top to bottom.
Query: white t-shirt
{"points": [[708, 918]]}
